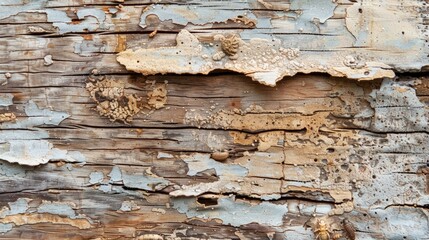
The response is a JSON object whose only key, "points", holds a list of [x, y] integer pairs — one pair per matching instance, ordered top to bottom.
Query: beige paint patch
{"points": [[264, 61], [35, 218]]}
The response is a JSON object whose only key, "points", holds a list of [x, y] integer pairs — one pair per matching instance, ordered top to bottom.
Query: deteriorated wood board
{"points": [[312, 147]]}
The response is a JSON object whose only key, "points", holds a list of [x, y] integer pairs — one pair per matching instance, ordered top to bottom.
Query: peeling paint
{"points": [[10, 10], [195, 13], [312, 13], [92, 19], [89, 48], [265, 61], [6, 99], [37, 117], [27, 148], [34, 152], [201, 162], [11, 170], [115, 175], [261, 175], [96, 177], [144, 181], [106, 188], [128, 206], [17, 207], [58, 208], [234, 212], [19, 214], [24, 219], [4, 228]]}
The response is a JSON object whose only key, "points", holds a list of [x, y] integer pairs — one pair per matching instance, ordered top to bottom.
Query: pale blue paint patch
{"points": [[12, 7], [313, 12], [97, 13], [196, 13], [57, 16], [92, 19], [88, 48], [6, 99], [48, 116], [37, 117], [28, 147], [32, 152], [76, 156], [201, 162], [11, 170], [115, 175], [96, 177], [144, 181], [105, 188], [128, 206], [17, 207], [62, 209], [233, 212], [5, 227]]}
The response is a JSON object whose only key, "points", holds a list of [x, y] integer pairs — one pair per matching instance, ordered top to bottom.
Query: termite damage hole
{"points": [[207, 201]]}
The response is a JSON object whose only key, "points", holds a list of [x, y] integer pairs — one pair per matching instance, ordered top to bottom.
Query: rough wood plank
{"points": [[312, 148]]}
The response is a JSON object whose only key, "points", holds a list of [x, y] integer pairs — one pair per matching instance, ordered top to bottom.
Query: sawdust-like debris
{"points": [[111, 99], [7, 117]]}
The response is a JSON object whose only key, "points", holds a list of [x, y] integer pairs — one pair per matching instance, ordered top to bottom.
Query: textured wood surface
{"points": [[312, 148]]}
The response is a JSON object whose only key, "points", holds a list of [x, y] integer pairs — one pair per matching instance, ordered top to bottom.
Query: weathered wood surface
{"points": [[314, 147]]}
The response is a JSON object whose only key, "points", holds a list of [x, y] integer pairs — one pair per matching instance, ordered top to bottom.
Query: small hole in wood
{"points": [[207, 201]]}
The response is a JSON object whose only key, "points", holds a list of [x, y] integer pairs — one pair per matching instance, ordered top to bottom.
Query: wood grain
{"points": [[314, 147]]}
